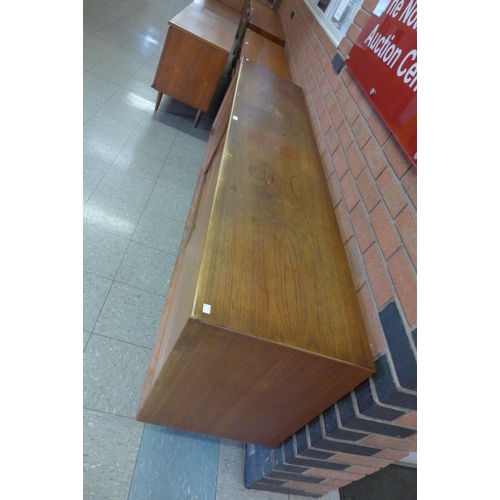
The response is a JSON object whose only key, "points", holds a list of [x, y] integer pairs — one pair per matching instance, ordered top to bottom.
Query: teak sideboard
{"points": [[197, 47], [261, 330]]}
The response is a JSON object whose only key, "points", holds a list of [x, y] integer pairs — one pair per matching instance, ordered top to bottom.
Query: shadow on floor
{"points": [[394, 482]]}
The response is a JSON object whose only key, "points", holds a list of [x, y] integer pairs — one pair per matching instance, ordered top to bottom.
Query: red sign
{"points": [[384, 62]]}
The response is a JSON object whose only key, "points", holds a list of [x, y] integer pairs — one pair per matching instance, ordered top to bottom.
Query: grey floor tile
{"points": [[111, 11], [91, 24], [115, 34], [145, 45], [94, 52], [130, 57], [89, 62], [113, 71], [93, 83], [141, 86], [129, 98], [92, 101], [124, 112], [88, 113], [160, 124], [106, 127], [195, 133], [192, 139], [154, 144], [103, 149], [186, 159], [133, 161], [94, 170], [178, 177], [126, 186], [171, 202], [113, 215], [159, 231], [103, 252], [146, 268], [95, 291], [130, 314], [86, 336], [113, 374], [110, 447], [173, 464], [230, 476]]}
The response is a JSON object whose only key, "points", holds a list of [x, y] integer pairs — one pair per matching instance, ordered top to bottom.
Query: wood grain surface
{"points": [[211, 21], [266, 22], [268, 54], [274, 265], [221, 383]]}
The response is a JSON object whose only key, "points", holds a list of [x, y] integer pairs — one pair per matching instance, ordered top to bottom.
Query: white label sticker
{"points": [[235, 118], [206, 308]]}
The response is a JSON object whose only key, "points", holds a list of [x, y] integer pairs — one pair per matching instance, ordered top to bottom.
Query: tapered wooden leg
{"points": [[158, 99], [197, 118]]}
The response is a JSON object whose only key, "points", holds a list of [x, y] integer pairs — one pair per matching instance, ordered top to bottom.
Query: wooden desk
{"points": [[266, 22], [196, 49], [268, 54], [261, 330]]}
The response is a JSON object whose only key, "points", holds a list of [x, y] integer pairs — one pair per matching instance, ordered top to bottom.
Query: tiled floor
{"points": [[140, 169]]}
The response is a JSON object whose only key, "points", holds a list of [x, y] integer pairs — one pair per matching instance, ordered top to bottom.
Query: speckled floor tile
{"points": [[114, 70], [93, 83], [141, 86], [132, 100], [123, 111], [159, 124], [107, 127], [199, 133], [192, 139], [159, 147], [103, 149], [186, 159], [136, 162], [93, 172], [178, 177], [125, 186], [171, 202], [113, 215], [159, 231], [103, 252], [146, 268], [95, 291], [130, 314], [86, 336], [113, 374], [110, 447], [175, 465], [230, 476]]}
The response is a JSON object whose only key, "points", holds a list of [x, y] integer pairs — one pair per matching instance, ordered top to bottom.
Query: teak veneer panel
{"points": [[266, 22], [268, 54], [285, 338]]}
